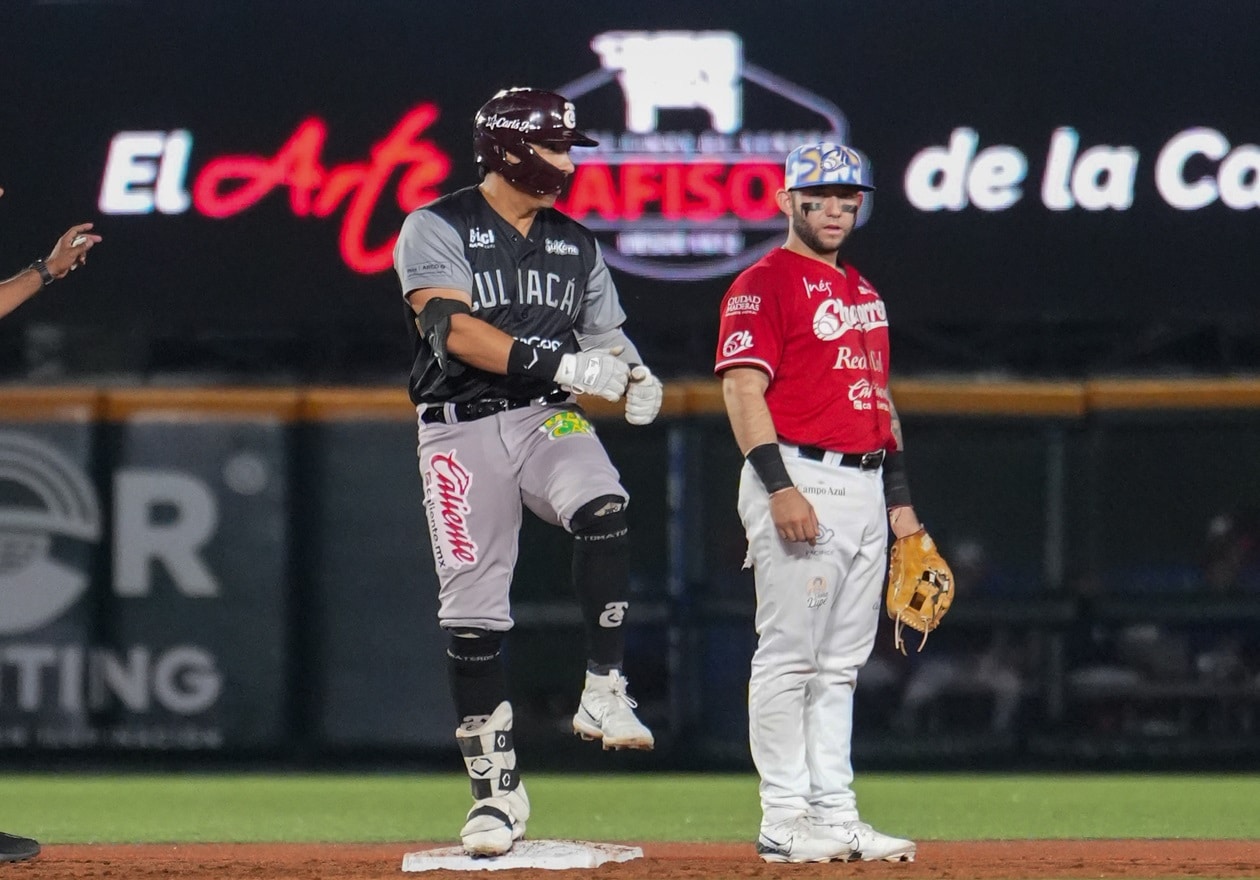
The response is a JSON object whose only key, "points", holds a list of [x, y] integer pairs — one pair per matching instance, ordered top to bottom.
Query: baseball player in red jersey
{"points": [[513, 310], [803, 356]]}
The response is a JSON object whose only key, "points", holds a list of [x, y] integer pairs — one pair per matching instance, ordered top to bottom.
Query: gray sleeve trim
{"points": [[430, 253], [601, 308], [610, 339]]}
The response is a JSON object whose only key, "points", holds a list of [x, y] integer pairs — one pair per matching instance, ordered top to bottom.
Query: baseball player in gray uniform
{"points": [[515, 312]]}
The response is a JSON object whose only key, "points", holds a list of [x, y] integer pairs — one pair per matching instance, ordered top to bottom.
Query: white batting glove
{"points": [[599, 372], [643, 396]]}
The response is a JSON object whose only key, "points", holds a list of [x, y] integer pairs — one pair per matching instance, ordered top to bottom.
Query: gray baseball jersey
{"points": [[541, 289], [544, 289]]}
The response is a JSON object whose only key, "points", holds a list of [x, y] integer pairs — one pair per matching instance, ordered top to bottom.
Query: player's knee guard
{"points": [[601, 519]]}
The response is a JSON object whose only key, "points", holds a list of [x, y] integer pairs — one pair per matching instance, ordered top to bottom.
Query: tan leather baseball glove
{"points": [[920, 586]]}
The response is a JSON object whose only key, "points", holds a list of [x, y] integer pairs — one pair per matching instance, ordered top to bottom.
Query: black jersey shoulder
{"points": [[479, 225]]}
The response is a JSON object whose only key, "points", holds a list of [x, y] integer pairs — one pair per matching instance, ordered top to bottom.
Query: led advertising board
{"points": [[1036, 165]]}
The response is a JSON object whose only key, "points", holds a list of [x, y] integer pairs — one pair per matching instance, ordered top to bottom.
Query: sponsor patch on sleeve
{"points": [[436, 269], [743, 304]]}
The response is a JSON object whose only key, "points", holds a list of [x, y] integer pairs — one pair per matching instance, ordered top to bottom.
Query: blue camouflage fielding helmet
{"points": [[827, 164]]}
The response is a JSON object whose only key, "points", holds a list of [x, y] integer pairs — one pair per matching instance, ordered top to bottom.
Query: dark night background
{"points": [[265, 295]]}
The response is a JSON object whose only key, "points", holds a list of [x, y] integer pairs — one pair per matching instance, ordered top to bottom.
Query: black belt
{"points": [[478, 409], [866, 461]]}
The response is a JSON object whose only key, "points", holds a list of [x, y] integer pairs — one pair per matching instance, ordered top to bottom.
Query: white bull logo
{"points": [[676, 70]]}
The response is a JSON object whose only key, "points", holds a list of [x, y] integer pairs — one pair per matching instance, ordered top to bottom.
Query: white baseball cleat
{"points": [[606, 713], [798, 840], [869, 845]]}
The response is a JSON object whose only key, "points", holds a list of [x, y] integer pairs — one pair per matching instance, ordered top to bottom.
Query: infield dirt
{"points": [[948, 860]]}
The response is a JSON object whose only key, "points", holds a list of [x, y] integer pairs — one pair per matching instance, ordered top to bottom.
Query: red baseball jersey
{"points": [[822, 337]]}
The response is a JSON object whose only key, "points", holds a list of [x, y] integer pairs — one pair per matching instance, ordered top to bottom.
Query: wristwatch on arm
{"points": [[42, 268]]}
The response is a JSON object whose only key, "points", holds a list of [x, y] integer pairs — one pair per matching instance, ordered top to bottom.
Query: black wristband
{"points": [[42, 268], [527, 360], [767, 461], [896, 483]]}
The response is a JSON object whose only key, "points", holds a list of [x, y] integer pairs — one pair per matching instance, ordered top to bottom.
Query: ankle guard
{"points": [[490, 755]]}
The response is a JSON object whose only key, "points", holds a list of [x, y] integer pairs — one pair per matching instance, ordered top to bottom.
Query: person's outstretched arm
{"points": [[68, 254]]}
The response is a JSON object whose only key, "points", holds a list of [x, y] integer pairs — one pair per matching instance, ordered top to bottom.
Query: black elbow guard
{"points": [[434, 323]]}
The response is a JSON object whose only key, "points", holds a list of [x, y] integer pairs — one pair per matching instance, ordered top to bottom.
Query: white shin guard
{"points": [[501, 807]]}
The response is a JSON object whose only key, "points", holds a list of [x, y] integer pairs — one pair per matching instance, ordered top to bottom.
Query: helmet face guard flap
{"points": [[513, 119]]}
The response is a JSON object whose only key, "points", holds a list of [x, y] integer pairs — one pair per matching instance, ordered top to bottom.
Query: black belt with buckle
{"points": [[472, 410], [866, 461]]}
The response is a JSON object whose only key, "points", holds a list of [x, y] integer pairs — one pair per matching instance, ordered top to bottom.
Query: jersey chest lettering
{"points": [[528, 287], [833, 318], [848, 323], [849, 359]]}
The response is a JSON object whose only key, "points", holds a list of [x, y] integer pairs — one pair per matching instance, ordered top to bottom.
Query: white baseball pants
{"points": [[817, 613]]}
